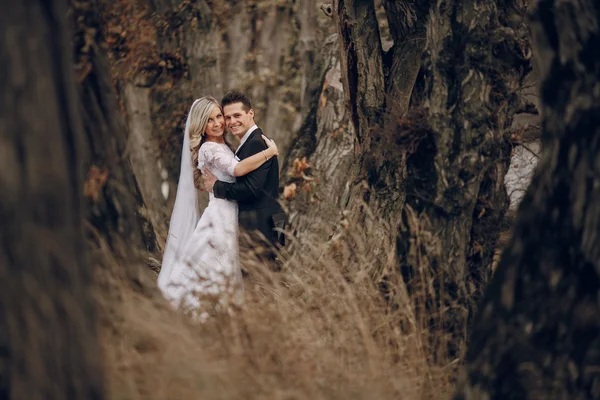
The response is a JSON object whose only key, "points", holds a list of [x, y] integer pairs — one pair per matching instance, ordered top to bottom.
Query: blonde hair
{"points": [[198, 119]]}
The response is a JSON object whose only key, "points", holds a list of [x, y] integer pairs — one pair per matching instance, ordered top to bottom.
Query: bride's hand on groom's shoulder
{"points": [[271, 145]]}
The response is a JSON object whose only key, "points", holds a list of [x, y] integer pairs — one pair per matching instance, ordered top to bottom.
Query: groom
{"points": [[256, 192]]}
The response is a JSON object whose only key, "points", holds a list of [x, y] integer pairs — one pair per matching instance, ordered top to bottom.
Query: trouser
{"points": [[261, 234]]}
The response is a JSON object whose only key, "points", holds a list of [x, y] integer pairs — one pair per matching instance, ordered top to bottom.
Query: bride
{"points": [[201, 255]]}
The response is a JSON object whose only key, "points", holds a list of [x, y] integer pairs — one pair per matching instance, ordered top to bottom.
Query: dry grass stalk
{"points": [[318, 329]]}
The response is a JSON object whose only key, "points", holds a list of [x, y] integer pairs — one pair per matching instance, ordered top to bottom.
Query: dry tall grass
{"points": [[317, 329]]}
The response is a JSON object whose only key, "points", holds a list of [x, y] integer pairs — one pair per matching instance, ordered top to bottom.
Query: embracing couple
{"points": [[202, 253]]}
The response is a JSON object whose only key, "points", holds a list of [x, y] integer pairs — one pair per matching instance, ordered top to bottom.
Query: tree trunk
{"points": [[309, 39], [476, 61], [326, 137], [142, 149], [418, 155], [115, 203], [538, 333], [48, 342]]}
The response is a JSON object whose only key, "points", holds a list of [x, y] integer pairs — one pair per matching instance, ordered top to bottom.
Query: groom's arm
{"points": [[251, 186]]}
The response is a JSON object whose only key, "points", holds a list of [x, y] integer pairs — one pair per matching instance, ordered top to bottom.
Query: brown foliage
{"points": [[95, 181]]}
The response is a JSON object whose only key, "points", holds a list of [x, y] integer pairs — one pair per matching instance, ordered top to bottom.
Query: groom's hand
{"points": [[208, 181]]}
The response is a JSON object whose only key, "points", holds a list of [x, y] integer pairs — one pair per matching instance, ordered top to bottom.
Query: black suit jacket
{"points": [[256, 192]]}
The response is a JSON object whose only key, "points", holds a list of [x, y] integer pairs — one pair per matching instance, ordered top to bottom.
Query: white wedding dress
{"points": [[208, 263]]}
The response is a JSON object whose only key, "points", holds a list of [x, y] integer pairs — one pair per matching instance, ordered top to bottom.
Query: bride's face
{"points": [[215, 125]]}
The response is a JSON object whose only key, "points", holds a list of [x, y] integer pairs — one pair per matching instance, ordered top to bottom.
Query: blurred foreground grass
{"points": [[318, 329]]}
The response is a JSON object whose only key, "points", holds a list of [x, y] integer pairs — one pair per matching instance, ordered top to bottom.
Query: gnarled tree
{"points": [[418, 151], [538, 331]]}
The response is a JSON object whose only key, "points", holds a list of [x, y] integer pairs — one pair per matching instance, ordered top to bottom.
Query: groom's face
{"points": [[237, 119]]}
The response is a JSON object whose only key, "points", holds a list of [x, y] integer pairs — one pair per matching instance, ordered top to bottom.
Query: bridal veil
{"points": [[186, 212]]}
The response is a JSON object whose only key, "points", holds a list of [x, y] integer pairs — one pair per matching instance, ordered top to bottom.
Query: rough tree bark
{"points": [[309, 39], [477, 59], [428, 129], [338, 132], [319, 190], [114, 202], [538, 333], [48, 343]]}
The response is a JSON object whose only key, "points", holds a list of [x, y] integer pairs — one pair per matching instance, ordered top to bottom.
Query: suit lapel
{"points": [[238, 152]]}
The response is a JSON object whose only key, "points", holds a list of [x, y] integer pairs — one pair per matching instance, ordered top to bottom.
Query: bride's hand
{"points": [[272, 146]]}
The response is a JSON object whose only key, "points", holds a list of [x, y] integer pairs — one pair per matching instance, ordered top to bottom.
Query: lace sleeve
{"points": [[219, 156]]}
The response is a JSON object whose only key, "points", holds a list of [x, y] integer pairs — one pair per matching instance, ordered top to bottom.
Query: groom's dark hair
{"points": [[235, 96]]}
